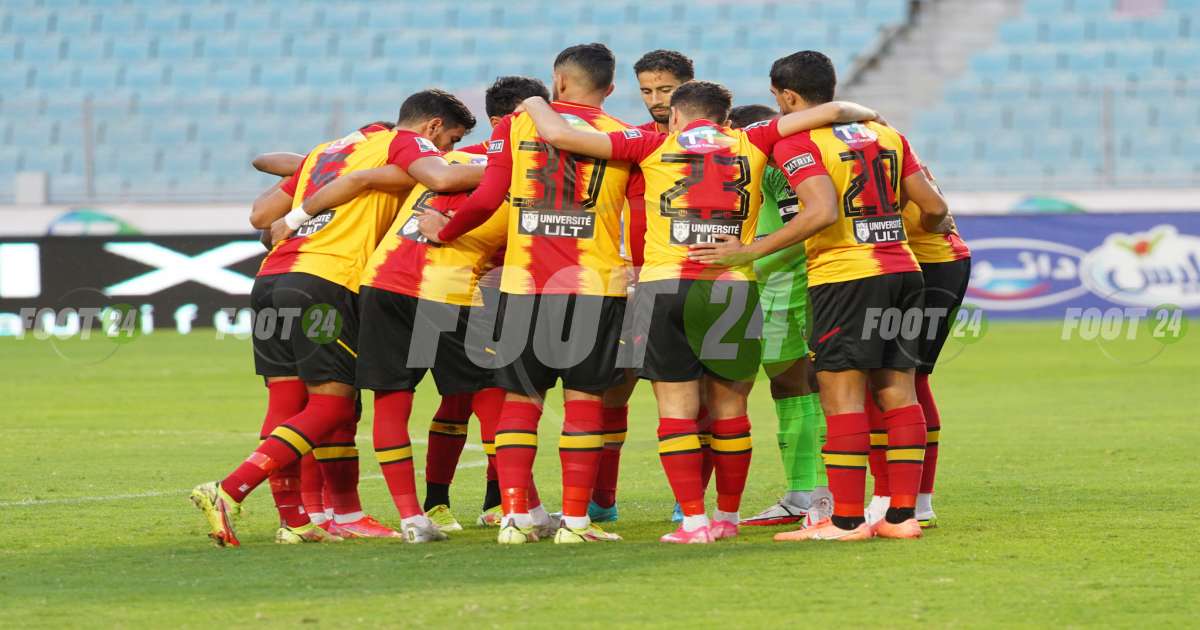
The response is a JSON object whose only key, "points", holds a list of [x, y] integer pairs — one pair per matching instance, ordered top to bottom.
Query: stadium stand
{"points": [[1064, 89], [181, 93], [1073, 94]]}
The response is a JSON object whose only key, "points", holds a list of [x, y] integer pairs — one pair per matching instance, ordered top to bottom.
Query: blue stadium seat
{"points": [[1184, 6], [1093, 7], [1046, 8], [887, 11], [839, 13], [609, 14], [654, 14], [704, 14], [391, 15], [519, 15], [303, 18], [343, 18], [472, 18], [208, 19], [163, 20], [253, 20], [29, 22], [118, 22], [74, 23], [1113, 29], [1158, 29], [1066, 30], [1021, 31], [856, 37], [718, 38], [222, 46], [266, 46], [399, 46], [9, 47], [175, 47], [357, 47], [130, 48], [86, 49], [42, 50], [1087, 59], [1134, 59], [1039, 60], [1183, 60], [990, 63], [323, 72], [459, 72], [370, 73], [188, 75], [279, 75], [414, 75], [145, 76], [232, 76], [54, 77], [98, 78], [154, 104], [197, 104], [249, 104], [18, 105], [64, 109], [1179, 114], [1032, 115], [1080, 115], [1132, 115], [981, 117], [937, 121], [217, 131], [33, 132], [170, 132], [1146, 145], [1051, 146], [956, 148], [1004, 148], [48, 159], [230, 159], [184, 160], [10, 161]]}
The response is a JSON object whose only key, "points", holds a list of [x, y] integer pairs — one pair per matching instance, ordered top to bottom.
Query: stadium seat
{"points": [[1097, 7], [1047, 8], [887, 11], [652, 13], [609, 14], [389, 15], [343, 18], [472, 18], [208, 19], [163, 20], [254, 20], [29, 22], [118, 22], [74, 24], [1113, 29], [1159, 29], [1066, 30], [222, 46], [266, 46], [358, 46], [400, 46], [176, 47], [129, 48], [42, 50], [1087, 59], [1134, 59], [1039, 60], [1184, 60], [990, 63], [323, 72], [371, 73], [279, 75], [145, 76], [232, 76], [54, 77], [98, 78], [20, 104], [197, 104], [249, 104], [1177, 114], [1032, 115], [982, 116], [937, 121], [217, 131], [33, 132], [170, 133], [47, 159], [186, 159], [10, 160]]}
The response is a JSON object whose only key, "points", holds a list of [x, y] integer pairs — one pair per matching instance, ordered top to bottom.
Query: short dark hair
{"points": [[595, 60], [673, 61], [807, 73], [507, 92], [703, 99], [432, 103], [746, 115]]}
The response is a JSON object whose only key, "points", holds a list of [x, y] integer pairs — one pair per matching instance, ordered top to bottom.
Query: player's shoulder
{"points": [[647, 126], [402, 137]]}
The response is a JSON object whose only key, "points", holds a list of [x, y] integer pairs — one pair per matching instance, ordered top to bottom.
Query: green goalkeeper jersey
{"points": [[782, 276]]}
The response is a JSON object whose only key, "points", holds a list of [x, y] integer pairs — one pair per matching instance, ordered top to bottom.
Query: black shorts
{"points": [[945, 288], [868, 323], [304, 326], [691, 328], [402, 337], [543, 338]]}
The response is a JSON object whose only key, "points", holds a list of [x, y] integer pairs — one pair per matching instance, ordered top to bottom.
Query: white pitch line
{"points": [[361, 439], [165, 493]]}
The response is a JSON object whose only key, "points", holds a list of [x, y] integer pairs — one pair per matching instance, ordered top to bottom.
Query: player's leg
{"points": [[945, 288], [386, 338], [589, 357], [285, 398], [487, 404], [447, 437], [732, 449], [679, 452], [312, 490], [881, 495], [603, 507]]}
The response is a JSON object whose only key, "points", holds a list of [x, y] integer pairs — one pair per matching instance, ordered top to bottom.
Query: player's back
{"points": [[866, 162], [701, 183], [564, 228], [336, 243], [931, 247], [405, 263]]}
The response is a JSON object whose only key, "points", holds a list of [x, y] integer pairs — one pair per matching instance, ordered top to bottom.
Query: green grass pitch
{"points": [[1066, 497]]}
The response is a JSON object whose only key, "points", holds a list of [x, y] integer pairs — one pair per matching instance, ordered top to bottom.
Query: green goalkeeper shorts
{"points": [[783, 296]]}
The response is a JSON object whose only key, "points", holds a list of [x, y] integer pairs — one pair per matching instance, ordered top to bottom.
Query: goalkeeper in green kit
{"points": [[783, 290]]}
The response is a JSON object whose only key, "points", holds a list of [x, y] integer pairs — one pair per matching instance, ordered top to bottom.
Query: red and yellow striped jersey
{"points": [[866, 162], [701, 182], [633, 220], [564, 224], [336, 243], [930, 247], [405, 262]]}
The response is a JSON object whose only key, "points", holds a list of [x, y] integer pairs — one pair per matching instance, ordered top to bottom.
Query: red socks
{"points": [[284, 400], [487, 404], [616, 424], [933, 427], [703, 429], [447, 436], [289, 442], [879, 443], [516, 448], [579, 449], [394, 450], [731, 450], [679, 451], [905, 453], [845, 454], [338, 459], [312, 485]]}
